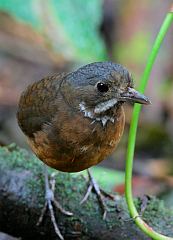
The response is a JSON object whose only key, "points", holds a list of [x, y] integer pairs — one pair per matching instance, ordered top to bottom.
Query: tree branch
{"points": [[22, 198]]}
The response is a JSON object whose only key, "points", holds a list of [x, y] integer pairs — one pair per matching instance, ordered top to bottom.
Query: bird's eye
{"points": [[102, 87]]}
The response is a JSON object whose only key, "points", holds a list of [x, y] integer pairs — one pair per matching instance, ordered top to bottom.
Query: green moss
{"points": [[70, 189], [163, 218]]}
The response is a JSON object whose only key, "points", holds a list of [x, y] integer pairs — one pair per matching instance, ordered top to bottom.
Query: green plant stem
{"points": [[133, 129]]}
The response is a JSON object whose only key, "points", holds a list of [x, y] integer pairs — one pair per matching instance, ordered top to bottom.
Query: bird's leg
{"points": [[99, 192], [50, 201]]}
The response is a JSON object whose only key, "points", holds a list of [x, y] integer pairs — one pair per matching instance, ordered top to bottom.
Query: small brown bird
{"points": [[75, 120]]}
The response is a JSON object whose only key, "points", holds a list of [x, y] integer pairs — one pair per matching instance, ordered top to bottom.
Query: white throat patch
{"points": [[104, 106], [100, 108]]}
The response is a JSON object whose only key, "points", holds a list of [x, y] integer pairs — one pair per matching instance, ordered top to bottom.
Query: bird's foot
{"points": [[101, 194], [50, 201]]}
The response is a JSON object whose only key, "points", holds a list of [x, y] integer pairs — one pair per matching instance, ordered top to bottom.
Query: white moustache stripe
{"points": [[104, 106], [103, 119]]}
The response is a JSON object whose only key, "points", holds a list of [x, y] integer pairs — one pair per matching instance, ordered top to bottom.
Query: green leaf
{"points": [[25, 11], [80, 20], [69, 27]]}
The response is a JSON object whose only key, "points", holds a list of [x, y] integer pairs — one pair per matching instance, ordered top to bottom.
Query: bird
{"points": [[74, 120]]}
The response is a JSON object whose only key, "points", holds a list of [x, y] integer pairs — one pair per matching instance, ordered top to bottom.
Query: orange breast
{"points": [[73, 143]]}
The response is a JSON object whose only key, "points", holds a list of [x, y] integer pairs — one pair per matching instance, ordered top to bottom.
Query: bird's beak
{"points": [[134, 96]]}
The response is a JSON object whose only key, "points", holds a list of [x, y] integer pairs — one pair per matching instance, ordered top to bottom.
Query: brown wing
{"points": [[38, 104]]}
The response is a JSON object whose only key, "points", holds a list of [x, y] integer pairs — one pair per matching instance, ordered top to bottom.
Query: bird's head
{"points": [[99, 87]]}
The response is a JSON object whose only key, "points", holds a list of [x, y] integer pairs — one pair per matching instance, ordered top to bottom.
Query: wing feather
{"points": [[38, 104]]}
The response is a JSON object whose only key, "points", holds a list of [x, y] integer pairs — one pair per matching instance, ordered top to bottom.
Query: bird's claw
{"points": [[99, 192], [49, 202]]}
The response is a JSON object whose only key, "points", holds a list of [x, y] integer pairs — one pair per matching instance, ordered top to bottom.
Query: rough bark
{"points": [[22, 198]]}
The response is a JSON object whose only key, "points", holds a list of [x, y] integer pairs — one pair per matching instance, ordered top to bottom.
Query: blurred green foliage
{"points": [[22, 10], [70, 27], [138, 47]]}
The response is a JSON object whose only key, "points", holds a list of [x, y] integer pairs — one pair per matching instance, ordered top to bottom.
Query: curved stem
{"points": [[133, 129]]}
